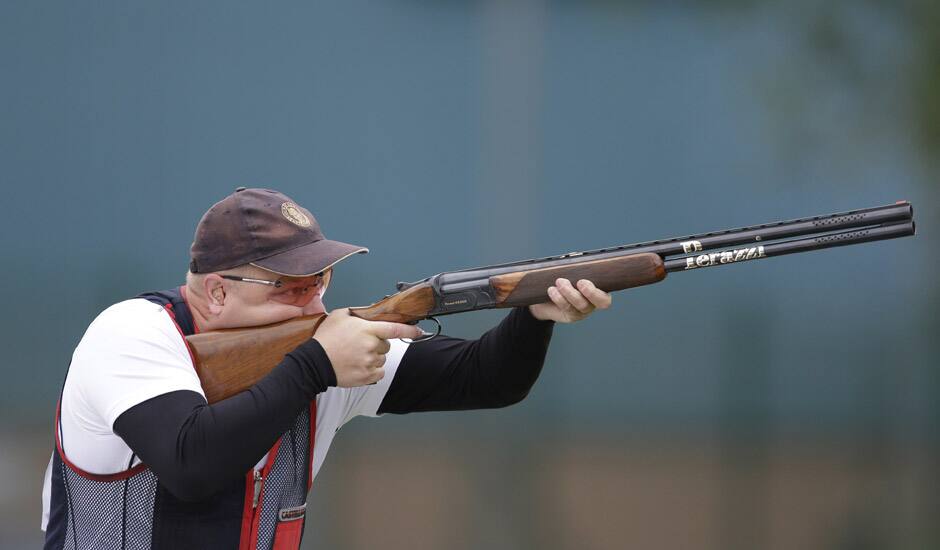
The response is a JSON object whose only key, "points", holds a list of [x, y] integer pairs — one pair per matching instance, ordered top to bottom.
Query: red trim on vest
{"points": [[186, 301], [169, 309], [313, 439], [88, 475], [256, 511], [251, 514], [287, 535], [244, 540]]}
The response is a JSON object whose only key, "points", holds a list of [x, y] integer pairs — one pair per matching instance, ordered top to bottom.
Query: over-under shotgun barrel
{"points": [[899, 212], [792, 246], [495, 286]]}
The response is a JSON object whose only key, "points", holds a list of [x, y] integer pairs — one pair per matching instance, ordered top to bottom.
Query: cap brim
{"points": [[309, 259]]}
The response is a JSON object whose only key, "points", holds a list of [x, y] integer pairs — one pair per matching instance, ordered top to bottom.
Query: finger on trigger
{"points": [[387, 330]]}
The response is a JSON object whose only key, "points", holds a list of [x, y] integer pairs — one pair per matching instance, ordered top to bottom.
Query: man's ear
{"points": [[214, 288]]}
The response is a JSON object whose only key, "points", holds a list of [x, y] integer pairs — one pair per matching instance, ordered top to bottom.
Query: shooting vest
{"points": [[132, 510]]}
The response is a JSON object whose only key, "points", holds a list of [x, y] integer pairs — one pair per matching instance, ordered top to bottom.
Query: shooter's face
{"points": [[247, 305]]}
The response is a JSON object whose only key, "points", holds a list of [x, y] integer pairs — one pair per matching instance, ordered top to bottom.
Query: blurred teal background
{"points": [[791, 403]]}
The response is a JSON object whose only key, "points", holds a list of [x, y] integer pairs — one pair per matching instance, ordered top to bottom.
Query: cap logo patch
{"points": [[294, 215]]}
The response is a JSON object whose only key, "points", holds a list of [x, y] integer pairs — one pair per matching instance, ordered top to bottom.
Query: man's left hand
{"points": [[570, 303]]}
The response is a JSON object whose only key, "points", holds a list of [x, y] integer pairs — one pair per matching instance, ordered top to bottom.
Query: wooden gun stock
{"points": [[408, 306], [230, 361]]}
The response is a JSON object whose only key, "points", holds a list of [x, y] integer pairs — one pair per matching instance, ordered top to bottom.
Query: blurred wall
{"points": [[782, 404]]}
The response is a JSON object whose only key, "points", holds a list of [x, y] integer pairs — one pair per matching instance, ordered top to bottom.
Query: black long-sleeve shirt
{"points": [[195, 448]]}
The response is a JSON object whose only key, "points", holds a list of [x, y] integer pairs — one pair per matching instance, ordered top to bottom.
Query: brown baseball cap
{"points": [[267, 229]]}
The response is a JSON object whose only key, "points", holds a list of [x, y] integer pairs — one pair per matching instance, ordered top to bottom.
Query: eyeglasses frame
{"points": [[276, 284]]}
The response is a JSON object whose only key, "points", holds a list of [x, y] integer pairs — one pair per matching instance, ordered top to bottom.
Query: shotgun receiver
{"points": [[229, 361]]}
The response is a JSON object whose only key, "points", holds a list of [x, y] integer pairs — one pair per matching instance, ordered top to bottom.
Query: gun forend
{"points": [[524, 288]]}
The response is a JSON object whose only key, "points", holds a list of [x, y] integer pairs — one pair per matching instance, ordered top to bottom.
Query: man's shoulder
{"points": [[132, 306], [134, 310], [135, 319], [133, 346], [130, 353]]}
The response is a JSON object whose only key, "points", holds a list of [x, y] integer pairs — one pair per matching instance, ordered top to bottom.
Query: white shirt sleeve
{"points": [[132, 352], [366, 400], [336, 406]]}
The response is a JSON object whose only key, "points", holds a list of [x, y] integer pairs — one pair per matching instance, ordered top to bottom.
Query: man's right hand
{"points": [[357, 347]]}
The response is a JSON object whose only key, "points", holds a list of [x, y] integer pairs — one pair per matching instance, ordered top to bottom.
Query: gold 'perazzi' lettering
{"points": [[724, 257]]}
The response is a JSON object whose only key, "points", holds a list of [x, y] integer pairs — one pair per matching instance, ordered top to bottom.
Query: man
{"points": [[141, 459]]}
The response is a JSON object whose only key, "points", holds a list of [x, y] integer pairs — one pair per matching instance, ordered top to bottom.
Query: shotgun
{"points": [[229, 361]]}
